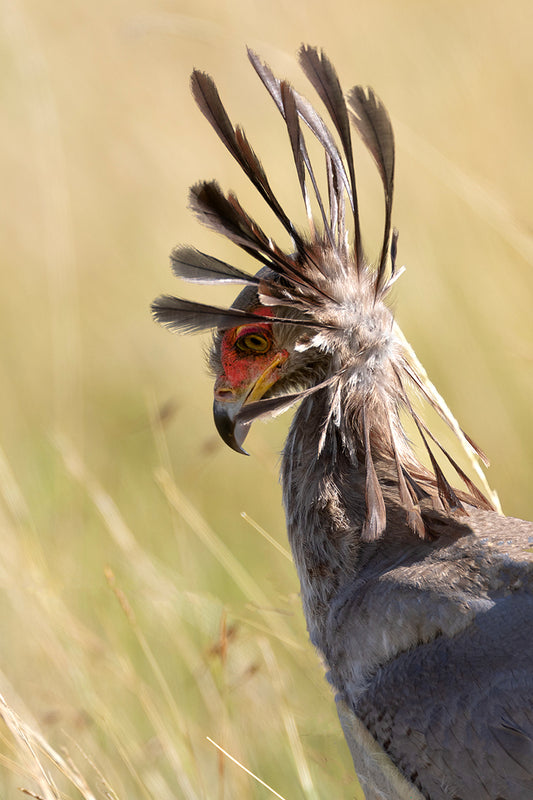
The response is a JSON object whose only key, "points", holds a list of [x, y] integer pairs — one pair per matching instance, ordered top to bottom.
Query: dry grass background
{"points": [[139, 611]]}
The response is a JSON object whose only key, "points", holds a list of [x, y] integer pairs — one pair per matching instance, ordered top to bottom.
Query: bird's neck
{"points": [[323, 479]]}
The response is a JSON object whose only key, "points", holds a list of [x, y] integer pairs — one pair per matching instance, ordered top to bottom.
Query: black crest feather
{"points": [[321, 73], [209, 102], [314, 122], [373, 124], [196, 267], [323, 288], [186, 316]]}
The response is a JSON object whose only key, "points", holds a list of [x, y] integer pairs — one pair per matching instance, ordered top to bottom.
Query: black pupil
{"points": [[254, 342]]}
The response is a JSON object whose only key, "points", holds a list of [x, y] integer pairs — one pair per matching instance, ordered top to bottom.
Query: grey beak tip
{"points": [[232, 433]]}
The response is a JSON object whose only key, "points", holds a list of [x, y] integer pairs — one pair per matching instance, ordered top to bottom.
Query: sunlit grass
{"points": [[147, 605], [164, 667]]}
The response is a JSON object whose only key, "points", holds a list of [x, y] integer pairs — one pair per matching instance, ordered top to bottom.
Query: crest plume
{"points": [[324, 288]]}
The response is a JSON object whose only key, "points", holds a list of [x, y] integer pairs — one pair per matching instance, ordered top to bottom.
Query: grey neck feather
{"points": [[324, 534]]}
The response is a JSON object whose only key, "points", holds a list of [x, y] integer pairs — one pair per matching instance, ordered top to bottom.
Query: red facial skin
{"points": [[243, 368]]}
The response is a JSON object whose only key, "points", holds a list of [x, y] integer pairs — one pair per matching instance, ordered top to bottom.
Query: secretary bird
{"points": [[418, 595]]}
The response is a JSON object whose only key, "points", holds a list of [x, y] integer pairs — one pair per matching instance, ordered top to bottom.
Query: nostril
{"points": [[224, 394]]}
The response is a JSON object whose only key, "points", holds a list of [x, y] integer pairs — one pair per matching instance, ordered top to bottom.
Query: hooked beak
{"points": [[229, 401], [231, 432]]}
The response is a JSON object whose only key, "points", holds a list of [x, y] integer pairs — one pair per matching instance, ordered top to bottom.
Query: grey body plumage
{"points": [[418, 594]]}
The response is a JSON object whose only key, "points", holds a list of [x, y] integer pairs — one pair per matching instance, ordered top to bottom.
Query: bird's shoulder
{"points": [[422, 590], [445, 686], [456, 714]]}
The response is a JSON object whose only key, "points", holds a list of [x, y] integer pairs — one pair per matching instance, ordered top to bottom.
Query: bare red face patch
{"points": [[246, 353], [250, 361]]}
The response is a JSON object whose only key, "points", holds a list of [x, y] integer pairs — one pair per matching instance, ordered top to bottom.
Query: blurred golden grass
{"points": [[110, 465]]}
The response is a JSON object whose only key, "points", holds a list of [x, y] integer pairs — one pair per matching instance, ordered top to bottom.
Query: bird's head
{"points": [[314, 318], [288, 353], [249, 362]]}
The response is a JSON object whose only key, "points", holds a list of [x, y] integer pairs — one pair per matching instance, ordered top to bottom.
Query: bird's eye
{"points": [[253, 343]]}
